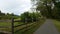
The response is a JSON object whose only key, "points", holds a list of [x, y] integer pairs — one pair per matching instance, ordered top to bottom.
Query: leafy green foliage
{"points": [[47, 9], [29, 17]]}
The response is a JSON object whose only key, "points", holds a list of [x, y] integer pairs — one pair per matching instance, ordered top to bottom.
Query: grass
{"points": [[9, 23], [57, 24], [6, 26], [32, 28], [30, 31]]}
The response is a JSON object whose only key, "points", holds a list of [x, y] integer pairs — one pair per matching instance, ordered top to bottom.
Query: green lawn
{"points": [[57, 24]]}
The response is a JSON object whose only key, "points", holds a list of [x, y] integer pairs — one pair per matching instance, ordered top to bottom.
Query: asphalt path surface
{"points": [[47, 28]]}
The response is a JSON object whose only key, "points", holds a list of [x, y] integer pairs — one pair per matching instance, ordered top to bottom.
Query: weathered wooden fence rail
{"points": [[26, 25]]}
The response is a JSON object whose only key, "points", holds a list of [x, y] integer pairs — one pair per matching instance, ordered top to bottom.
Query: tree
{"points": [[45, 7], [48, 7], [0, 12], [26, 16]]}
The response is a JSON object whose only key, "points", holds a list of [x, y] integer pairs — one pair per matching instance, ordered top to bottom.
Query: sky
{"points": [[15, 6]]}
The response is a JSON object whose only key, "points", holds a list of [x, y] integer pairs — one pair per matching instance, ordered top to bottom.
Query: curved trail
{"points": [[47, 28]]}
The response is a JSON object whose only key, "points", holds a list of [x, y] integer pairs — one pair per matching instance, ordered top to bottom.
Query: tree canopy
{"points": [[49, 8], [27, 16]]}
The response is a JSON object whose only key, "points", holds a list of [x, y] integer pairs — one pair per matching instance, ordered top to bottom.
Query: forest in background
{"points": [[7, 16]]}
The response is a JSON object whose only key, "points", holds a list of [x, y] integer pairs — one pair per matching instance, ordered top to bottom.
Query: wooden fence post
{"points": [[12, 25]]}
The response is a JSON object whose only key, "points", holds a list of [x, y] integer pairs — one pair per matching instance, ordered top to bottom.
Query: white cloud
{"points": [[15, 6]]}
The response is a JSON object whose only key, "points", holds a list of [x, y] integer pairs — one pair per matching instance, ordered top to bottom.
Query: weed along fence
{"points": [[17, 26]]}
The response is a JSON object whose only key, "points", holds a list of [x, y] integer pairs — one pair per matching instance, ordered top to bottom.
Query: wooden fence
{"points": [[26, 25]]}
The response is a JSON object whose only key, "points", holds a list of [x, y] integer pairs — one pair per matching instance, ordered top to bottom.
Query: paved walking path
{"points": [[47, 28]]}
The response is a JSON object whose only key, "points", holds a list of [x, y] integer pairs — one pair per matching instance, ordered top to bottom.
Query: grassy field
{"points": [[9, 23], [57, 24], [6, 26], [33, 26]]}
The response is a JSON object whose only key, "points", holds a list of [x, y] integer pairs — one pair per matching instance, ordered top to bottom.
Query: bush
{"points": [[29, 17]]}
